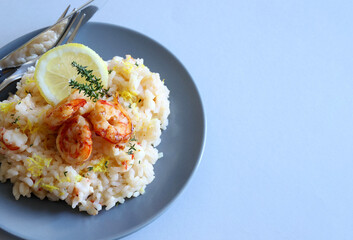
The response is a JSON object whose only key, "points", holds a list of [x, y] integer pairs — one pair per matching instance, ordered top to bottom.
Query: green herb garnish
{"points": [[136, 64], [110, 71], [93, 89], [16, 120], [132, 149], [90, 168], [65, 173]]}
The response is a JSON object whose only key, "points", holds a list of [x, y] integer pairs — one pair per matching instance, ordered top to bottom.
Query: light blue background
{"points": [[276, 82]]}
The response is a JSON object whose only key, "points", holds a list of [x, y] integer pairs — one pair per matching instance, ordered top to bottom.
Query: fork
{"points": [[7, 65], [12, 68], [17, 75]]}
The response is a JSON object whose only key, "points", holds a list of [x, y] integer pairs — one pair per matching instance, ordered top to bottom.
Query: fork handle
{"points": [[17, 75]]}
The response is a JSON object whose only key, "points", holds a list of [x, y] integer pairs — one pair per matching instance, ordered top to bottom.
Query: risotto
{"points": [[31, 159]]}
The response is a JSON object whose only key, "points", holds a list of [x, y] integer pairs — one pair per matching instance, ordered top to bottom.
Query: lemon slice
{"points": [[54, 70]]}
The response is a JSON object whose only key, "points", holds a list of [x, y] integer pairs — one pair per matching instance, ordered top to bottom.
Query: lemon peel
{"points": [[54, 70], [129, 96], [6, 107], [37, 164], [102, 165], [78, 178], [49, 188]]}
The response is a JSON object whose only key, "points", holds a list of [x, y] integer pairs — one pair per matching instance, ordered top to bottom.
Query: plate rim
{"points": [[163, 209]]}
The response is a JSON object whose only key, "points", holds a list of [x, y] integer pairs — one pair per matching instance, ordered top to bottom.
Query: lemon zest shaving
{"points": [[127, 68], [29, 80], [129, 96], [6, 107], [41, 113], [29, 125], [33, 128], [36, 165], [101, 166], [57, 178], [78, 178], [63, 179], [37, 182], [49, 188]]}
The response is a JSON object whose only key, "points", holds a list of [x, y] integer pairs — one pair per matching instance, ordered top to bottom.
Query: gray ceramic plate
{"points": [[182, 145]]}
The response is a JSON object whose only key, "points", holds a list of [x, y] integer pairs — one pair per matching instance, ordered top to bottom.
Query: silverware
{"points": [[87, 11], [10, 60], [6, 64], [17, 75]]}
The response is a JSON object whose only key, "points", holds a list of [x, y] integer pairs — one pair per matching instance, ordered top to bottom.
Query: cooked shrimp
{"points": [[56, 116], [111, 122], [13, 139], [74, 140]]}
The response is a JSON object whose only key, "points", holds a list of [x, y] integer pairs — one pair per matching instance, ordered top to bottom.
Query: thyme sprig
{"points": [[93, 89], [132, 148]]}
